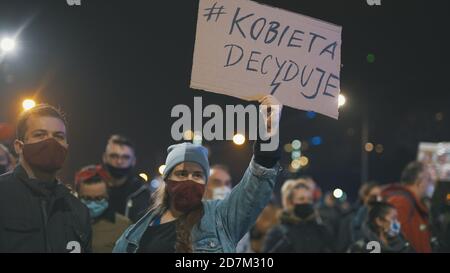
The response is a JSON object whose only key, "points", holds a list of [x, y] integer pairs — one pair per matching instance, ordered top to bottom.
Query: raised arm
{"points": [[242, 207]]}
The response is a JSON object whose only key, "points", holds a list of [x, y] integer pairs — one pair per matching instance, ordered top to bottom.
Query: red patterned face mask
{"points": [[47, 155], [185, 195]]}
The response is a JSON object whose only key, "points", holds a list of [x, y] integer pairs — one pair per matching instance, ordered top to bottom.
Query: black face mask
{"points": [[3, 169], [118, 172], [303, 210]]}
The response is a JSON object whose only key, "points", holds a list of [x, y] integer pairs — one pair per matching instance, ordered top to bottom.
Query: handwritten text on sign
{"points": [[246, 50]]}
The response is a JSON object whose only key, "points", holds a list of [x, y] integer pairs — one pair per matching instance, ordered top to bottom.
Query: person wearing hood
{"points": [[416, 184], [128, 194], [180, 221], [300, 229], [381, 232]]}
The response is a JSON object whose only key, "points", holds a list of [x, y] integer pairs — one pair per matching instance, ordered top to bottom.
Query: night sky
{"points": [[120, 66]]}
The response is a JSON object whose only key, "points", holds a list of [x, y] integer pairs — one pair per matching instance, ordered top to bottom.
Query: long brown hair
{"points": [[185, 223]]}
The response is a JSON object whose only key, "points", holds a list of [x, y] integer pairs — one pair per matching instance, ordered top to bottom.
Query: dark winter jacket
{"points": [[132, 199], [37, 216], [295, 235], [370, 242]]}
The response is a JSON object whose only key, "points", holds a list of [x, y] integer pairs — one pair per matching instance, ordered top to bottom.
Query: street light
{"points": [[7, 44], [341, 100], [28, 104], [188, 135], [197, 138], [239, 139], [296, 144], [368, 147], [304, 161], [296, 164], [161, 169], [144, 176], [338, 193]]}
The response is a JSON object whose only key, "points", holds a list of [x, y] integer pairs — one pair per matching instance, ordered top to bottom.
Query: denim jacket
{"points": [[224, 222]]}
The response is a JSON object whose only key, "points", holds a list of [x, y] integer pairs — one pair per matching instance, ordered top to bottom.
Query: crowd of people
{"points": [[195, 207]]}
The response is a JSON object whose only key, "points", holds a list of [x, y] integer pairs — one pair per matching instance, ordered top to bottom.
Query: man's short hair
{"points": [[40, 110], [121, 140], [221, 167], [411, 172], [366, 188]]}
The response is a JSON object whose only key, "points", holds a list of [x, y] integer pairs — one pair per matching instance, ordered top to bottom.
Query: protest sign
{"points": [[247, 50], [436, 155]]}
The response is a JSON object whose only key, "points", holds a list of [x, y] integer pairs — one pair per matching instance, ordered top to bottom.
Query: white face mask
{"points": [[429, 191], [221, 193], [394, 228]]}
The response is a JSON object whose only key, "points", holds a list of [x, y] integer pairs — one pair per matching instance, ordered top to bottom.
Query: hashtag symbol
{"points": [[213, 11]]}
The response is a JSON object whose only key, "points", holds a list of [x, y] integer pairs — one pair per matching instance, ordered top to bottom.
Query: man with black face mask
{"points": [[128, 195], [37, 212], [300, 229]]}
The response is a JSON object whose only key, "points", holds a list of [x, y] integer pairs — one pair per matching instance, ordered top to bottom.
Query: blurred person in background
{"points": [[7, 160], [219, 183], [416, 183], [219, 186], [287, 186], [316, 190], [128, 194], [331, 211], [268, 218], [351, 223], [107, 225], [382, 229], [300, 230]]}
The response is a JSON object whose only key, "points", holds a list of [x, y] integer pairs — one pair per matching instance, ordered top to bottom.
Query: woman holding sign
{"points": [[180, 221]]}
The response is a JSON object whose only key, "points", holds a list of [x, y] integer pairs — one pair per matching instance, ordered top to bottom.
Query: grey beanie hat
{"points": [[186, 152]]}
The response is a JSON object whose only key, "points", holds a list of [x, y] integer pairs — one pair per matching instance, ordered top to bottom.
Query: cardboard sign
{"points": [[248, 50], [437, 156]]}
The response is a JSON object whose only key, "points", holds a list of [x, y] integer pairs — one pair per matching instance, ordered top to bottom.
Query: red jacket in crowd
{"points": [[413, 216]]}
